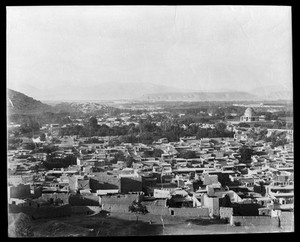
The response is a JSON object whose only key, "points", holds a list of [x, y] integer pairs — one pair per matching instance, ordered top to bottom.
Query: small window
{"points": [[172, 212]]}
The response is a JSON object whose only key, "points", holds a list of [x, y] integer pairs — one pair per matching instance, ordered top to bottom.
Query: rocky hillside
{"points": [[19, 103], [19, 225]]}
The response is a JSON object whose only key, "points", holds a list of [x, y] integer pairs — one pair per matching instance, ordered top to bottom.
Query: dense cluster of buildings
{"points": [[212, 184]]}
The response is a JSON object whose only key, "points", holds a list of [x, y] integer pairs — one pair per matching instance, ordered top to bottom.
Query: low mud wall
{"points": [[85, 209]]}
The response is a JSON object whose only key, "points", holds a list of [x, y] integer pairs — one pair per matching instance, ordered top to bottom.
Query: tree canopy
{"points": [[246, 154], [137, 208]]}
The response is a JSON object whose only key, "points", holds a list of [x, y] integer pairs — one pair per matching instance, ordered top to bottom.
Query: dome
{"points": [[249, 112]]}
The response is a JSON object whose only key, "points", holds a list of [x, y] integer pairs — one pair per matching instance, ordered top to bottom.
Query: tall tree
{"points": [[93, 122], [220, 127], [43, 137], [246, 154], [129, 161], [137, 208]]}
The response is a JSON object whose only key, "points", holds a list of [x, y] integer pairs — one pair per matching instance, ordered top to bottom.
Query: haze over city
{"points": [[187, 48]]}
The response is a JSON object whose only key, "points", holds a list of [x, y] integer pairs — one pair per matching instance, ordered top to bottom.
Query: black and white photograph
{"points": [[149, 120]]}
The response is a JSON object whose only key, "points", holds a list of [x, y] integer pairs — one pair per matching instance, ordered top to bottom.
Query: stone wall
{"points": [[63, 196], [119, 199], [83, 200], [157, 202], [118, 208], [158, 210], [190, 212], [226, 212], [254, 221]]}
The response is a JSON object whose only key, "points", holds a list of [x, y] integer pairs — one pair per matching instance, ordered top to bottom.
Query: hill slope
{"points": [[19, 103]]}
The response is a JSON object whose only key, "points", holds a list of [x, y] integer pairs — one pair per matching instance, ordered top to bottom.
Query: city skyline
{"points": [[149, 121]]}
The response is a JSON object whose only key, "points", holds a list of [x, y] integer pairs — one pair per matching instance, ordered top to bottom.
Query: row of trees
{"points": [[31, 123], [276, 125], [99, 130], [146, 131], [277, 138]]}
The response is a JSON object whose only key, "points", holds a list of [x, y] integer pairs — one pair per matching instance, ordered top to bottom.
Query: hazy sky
{"points": [[194, 47]]}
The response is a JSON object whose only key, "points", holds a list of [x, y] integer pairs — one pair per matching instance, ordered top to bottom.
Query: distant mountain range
{"points": [[105, 91], [150, 92], [273, 92], [201, 96], [19, 103]]}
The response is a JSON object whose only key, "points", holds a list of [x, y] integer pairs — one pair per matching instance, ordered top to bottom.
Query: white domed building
{"points": [[249, 116]]}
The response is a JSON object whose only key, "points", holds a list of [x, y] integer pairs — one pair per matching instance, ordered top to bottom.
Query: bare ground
{"points": [[123, 224]]}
